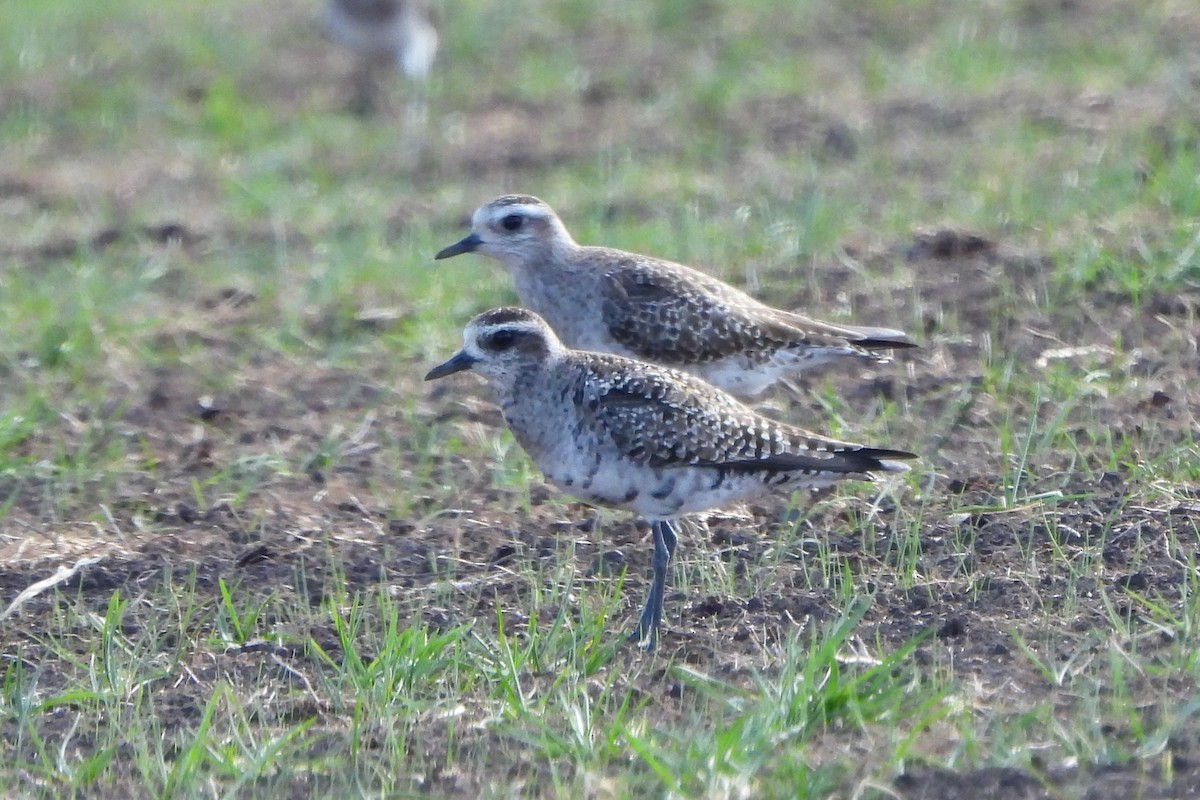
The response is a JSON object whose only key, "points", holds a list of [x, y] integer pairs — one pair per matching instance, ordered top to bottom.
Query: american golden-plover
{"points": [[384, 35], [611, 301], [626, 434]]}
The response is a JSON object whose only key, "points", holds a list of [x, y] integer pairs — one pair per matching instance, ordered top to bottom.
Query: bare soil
{"points": [[984, 575]]}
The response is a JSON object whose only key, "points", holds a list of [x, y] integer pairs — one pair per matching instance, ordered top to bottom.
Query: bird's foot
{"points": [[644, 636]]}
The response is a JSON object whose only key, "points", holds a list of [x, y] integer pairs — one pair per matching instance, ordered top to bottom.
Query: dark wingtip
{"points": [[884, 344], [888, 455], [866, 460], [888, 460]]}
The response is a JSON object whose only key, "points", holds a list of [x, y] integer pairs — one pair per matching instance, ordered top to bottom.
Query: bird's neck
{"points": [[543, 262], [547, 274], [520, 384], [524, 400]]}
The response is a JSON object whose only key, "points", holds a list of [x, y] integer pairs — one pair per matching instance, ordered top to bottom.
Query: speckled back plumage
{"points": [[606, 300], [702, 320], [664, 418], [634, 435]]}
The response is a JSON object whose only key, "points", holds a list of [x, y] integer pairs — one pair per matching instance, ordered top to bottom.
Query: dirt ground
{"points": [[983, 575], [978, 586]]}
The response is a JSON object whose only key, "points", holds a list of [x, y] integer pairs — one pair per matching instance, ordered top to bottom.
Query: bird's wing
{"points": [[663, 313], [669, 313], [862, 336], [664, 418]]}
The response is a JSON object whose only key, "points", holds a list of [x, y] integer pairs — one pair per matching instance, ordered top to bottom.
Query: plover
{"points": [[384, 34], [611, 301], [622, 433]]}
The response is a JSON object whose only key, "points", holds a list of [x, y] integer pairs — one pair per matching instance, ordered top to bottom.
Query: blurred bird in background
{"points": [[385, 35]]}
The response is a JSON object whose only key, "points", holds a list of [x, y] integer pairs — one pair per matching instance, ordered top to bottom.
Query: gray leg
{"points": [[665, 539]]}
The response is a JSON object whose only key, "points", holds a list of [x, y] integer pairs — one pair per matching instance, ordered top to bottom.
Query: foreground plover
{"points": [[384, 35], [611, 301], [625, 434]]}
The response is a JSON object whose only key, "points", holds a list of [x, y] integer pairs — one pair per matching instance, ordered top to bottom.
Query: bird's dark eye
{"points": [[512, 222], [501, 340]]}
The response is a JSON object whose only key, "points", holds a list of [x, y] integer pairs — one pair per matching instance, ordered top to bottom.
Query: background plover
{"points": [[384, 35], [606, 300], [625, 434]]}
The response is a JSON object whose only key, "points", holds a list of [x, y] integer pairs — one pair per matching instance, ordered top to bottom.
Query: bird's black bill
{"points": [[467, 244], [458, 363]]}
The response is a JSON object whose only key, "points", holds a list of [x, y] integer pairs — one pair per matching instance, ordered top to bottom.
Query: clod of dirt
{"points": [[839, 142], [171, 233], [947, 244], [1175, 304], [158, 398], [1157, 400], [961, 485], [185, 513], [400, 527], [732, 537], [254, 554], [503, 554], [1114, 556], [608, 563], [1137, 582], [921, 599], [710, 606], [952, 628]]}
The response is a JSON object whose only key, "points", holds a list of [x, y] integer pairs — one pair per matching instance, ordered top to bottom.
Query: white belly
{"points": [[664, 493]]}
